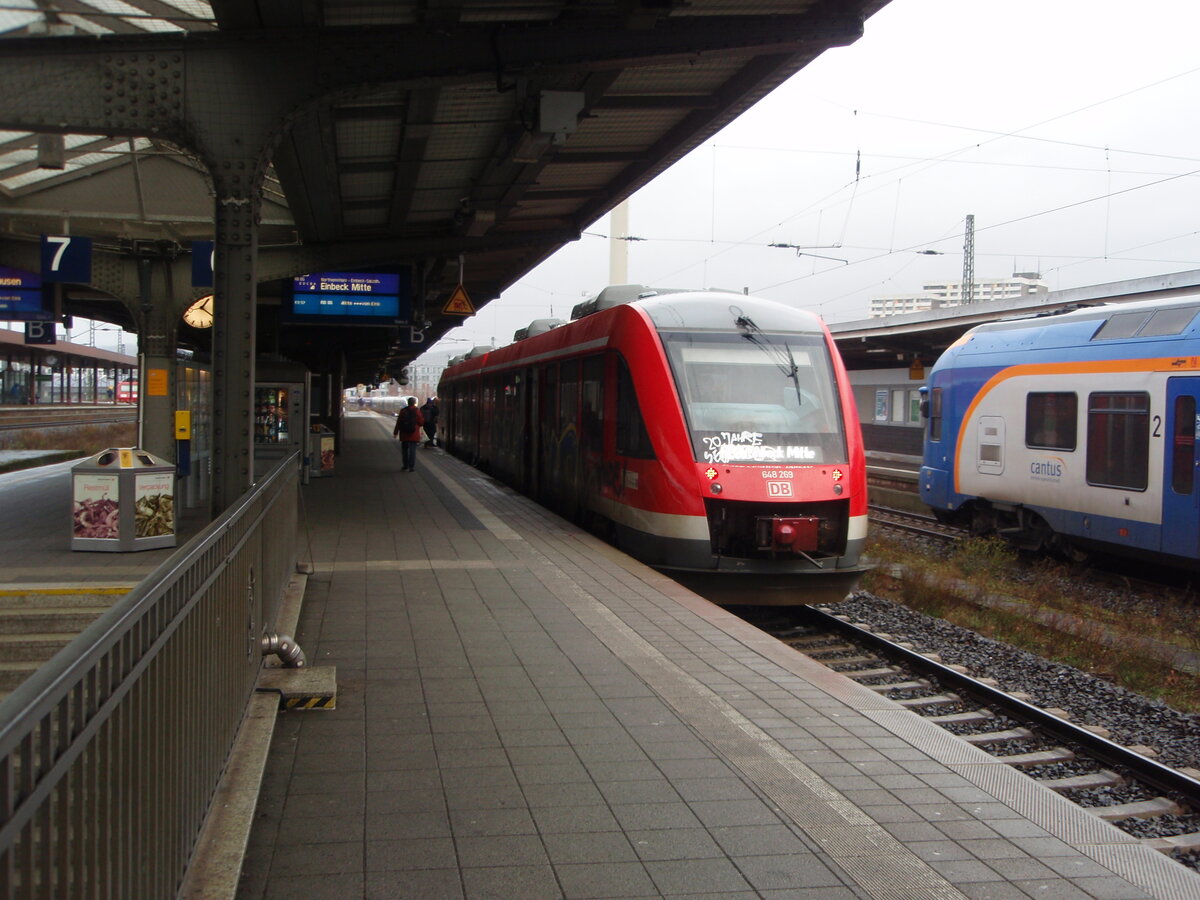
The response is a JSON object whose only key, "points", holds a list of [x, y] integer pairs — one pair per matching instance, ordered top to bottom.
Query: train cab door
{"points": [[1181, 487]]}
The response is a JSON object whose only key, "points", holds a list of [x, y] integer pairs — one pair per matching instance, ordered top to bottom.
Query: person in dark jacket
{"points": [[430, 414], [408, 430]]}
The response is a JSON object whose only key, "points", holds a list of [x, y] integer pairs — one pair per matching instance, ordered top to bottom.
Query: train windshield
{"points": [[758, 398]]}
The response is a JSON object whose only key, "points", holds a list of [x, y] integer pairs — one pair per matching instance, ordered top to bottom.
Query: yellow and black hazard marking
{"points": [[305, 688], [308, 703]]}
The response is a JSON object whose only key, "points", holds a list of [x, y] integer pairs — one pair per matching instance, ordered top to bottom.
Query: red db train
{"points": [[698, 431]]}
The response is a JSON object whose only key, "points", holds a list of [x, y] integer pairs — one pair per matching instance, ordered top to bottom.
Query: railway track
{"points": [[26, 418], [915, 523], [1154, 802]]}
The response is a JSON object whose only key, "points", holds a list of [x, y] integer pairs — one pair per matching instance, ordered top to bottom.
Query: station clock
{"points": [[200, 313]]}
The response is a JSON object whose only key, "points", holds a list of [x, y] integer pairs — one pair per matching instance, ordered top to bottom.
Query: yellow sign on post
{"points": [[459, 303]]}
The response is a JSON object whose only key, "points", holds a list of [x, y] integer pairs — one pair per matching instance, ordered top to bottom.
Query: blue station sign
{"points": [[66, 258]]}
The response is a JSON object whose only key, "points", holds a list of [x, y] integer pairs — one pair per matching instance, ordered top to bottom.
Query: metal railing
{"points": [[111, 752]]}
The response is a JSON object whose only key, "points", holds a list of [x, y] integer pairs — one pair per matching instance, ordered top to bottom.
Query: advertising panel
{"points": [[154, 504], [97, 507]]}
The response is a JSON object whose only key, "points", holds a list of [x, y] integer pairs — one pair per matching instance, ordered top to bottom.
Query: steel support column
{"points": [[234, 329], [156, 350]]}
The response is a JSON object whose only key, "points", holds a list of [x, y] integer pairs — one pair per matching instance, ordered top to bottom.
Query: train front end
{"points": [[775, 445]]}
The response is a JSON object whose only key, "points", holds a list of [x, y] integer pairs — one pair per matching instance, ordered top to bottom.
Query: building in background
{"points": [[950, 293], [423, 377]]}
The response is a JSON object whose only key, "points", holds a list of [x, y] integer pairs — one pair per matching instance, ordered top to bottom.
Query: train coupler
{"points": [[799, 534]]}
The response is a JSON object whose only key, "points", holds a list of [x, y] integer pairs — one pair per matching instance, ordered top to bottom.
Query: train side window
{"points": [[1169, 321], [1121, 325], [568, 394], [593, 406], [548, 411], [935, 414], [1051, 421], [632, 437], [1118, 440], [1183, 447]]}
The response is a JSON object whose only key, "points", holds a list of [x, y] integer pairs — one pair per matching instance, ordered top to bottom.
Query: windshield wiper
{"points": [[754, 335]]}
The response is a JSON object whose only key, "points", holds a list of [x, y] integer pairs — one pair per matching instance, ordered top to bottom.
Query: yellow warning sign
{"points": [[459, 304]]}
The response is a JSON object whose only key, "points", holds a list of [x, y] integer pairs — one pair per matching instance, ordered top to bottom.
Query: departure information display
{"points": [[21, 296], [352, 297]]}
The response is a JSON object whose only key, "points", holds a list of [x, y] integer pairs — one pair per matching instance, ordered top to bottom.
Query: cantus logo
{"points": [[1046, 469]]}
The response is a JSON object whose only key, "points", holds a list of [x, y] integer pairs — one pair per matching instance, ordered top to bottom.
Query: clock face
{"points": [[200, 313]]}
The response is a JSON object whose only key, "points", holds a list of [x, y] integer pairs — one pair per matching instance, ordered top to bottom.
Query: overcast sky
{"points": [[1067, 128]]}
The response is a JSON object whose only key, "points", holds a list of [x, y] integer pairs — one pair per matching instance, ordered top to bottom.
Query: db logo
{"points": [[779, 489]]}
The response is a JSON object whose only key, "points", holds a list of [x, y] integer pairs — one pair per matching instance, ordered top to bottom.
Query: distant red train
{"points": [[697, 431]]}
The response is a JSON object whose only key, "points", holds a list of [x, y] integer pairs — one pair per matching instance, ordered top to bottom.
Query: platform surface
{"points": [[524, 712]]}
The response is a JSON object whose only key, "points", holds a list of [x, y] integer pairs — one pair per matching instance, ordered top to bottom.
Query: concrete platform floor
{"points": [[525, 712]]}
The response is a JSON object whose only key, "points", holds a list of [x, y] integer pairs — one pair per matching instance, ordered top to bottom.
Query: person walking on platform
{"points": [[429, 412], [408, 430]]}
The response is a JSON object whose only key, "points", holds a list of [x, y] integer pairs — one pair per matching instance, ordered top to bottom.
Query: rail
{"points": [[21, 418], [111, 752], [1148, 770]]}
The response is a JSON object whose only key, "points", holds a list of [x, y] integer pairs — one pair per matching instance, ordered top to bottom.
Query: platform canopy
{"points": [[408, 137]]}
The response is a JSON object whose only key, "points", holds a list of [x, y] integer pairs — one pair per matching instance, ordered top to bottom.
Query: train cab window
{"points": [[770, 399], [935, 414], [1051, 421], [632, 438], [1118, 440], [1183, 446]]}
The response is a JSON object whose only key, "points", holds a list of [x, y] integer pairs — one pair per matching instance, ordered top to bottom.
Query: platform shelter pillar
{"points": [[233, 345], [156, 355]]}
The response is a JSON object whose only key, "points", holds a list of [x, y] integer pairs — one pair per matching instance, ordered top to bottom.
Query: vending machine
{"points": [[281, 398]]}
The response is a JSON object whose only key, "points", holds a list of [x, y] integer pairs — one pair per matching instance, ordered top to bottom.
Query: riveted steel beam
{"points": [[247, 82]]}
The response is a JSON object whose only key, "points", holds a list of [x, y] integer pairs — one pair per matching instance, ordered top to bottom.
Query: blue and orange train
{"points": [[1073, 433]]}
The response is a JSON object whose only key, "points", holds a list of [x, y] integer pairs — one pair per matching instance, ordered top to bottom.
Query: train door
{"points": [[1181, 497]]}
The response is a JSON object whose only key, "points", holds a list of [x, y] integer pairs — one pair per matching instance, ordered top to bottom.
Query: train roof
{"points": [[668, 310], [713, 310], [1146, 319]]}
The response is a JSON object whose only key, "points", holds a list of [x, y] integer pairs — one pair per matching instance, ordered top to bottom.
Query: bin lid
{"points": [[116, 459]]}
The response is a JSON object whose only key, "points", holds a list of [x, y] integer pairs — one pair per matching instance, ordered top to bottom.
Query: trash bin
{"points": [[321, 451], [123, 498]]}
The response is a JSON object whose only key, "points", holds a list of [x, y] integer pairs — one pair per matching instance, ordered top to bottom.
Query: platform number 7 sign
{"points": [[66, 258]]}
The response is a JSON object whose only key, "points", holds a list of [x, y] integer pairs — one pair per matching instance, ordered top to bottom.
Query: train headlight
{"points": [[715, 487], [837, 489]]}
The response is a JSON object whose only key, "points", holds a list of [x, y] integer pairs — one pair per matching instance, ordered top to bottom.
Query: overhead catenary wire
{"points": [[923, 164]]}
